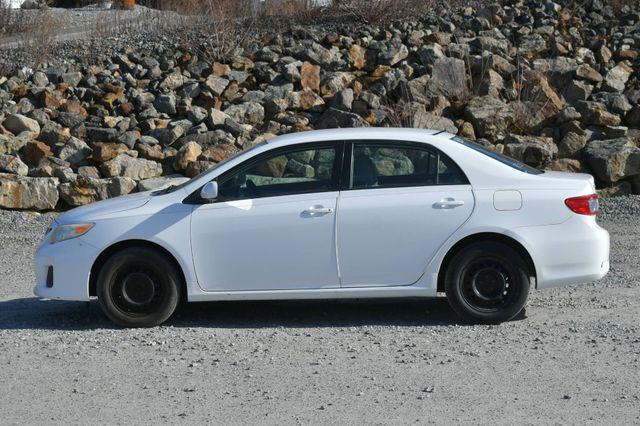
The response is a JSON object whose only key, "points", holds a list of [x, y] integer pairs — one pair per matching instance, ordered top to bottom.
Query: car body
{"points": [[363, 221]]}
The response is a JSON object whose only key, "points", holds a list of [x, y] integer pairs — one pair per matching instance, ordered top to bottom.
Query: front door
{"points": [[403, 202], [273, 224]]}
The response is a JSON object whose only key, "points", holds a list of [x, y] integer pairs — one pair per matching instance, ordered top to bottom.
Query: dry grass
{"points": [[620, 7], [383, 11], [12, 21], [222, 27], [36, 32], [42, 33]]}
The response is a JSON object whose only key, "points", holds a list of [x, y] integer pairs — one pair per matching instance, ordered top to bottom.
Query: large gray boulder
{"points": [[392, 53], [617, 77], [448, 78], [335, 82], [216, 85], [248, 113], [335, 118], [491, 118], [428, 120], [16, 124], [10, 144], [75, 151], [535, 151], [613, 159], [13, 164], [134, 168], [156, 184], [87, 190], [28, 193]]}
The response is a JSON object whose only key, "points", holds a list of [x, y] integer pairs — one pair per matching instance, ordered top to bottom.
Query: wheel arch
{"points": [[486, 237], [121, 245]]}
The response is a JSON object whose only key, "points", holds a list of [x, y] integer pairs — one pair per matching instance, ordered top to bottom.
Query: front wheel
{"points": [[487, 282], [138, 287]]}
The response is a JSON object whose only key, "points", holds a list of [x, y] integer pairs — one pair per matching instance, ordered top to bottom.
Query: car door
{"points": [[401, 202], [272, 226]]}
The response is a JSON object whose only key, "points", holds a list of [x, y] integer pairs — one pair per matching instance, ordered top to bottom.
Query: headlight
{"points": [[66, 232]]}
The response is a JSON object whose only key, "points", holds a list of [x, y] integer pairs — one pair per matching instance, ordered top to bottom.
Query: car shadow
{"points": [[32, 313]]}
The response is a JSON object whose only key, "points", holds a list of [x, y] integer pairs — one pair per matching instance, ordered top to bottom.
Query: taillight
{"points": [[586, 204]]}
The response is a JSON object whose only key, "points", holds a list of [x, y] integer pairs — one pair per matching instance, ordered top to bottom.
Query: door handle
{"points": [[448, 203], [317, 211]]}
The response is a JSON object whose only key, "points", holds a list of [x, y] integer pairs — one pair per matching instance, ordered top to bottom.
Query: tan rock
{"points": [[358, 55], [220, 70], [380, 71], [586, 72], [310, 77], [536, 89], [49, 100], [305, 100], [74, 107], [467, 131], [34, 151], [107, 151], [150, 152], [189, 153], [219, 153], [565, 165], [196, 167], [134, 168], [273, 168], [86, 190], [25, 193]]}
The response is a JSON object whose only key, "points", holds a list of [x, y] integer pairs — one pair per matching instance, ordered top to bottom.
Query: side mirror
{"points": [[209, 192]]}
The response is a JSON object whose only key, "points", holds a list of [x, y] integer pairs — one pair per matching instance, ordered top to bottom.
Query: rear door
{"points": [[400, 203]]}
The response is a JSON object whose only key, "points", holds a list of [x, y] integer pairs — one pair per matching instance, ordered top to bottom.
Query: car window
{"points": [[515, 164], [381, 165], [294, 171], [175, 188]]}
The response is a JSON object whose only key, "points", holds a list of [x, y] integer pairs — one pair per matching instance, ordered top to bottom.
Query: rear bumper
{"points": [[573, 252], [71, 263]]}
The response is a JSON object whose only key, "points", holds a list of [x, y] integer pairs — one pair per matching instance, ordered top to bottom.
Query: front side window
{"points": [[382, 165], [293, 171]]}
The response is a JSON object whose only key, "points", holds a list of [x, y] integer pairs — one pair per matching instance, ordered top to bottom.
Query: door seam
{"points": [[335, 233]]}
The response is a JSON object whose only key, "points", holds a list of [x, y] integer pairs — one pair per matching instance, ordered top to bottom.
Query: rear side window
{"points": [[497, 156], [388, 165]]}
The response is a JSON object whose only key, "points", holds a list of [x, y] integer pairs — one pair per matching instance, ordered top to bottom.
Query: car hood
{"points": [[102, 208]]}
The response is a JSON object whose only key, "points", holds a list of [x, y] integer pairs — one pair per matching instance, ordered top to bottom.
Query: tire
{"points": [[487, 282], [138, 287]]}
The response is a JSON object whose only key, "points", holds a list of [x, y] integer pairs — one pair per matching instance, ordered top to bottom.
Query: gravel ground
{"points": [[573, 358]]}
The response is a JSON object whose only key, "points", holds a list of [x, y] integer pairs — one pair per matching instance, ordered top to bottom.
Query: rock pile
{"points": [[554, 87]]}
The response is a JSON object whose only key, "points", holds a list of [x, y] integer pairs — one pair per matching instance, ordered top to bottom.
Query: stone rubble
{"points": [[554, 87]]}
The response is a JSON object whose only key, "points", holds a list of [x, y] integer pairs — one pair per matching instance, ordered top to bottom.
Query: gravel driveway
{"points": [[573, 358]]}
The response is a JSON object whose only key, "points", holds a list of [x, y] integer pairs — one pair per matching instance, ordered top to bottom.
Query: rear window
{"points": [[515, 164]]}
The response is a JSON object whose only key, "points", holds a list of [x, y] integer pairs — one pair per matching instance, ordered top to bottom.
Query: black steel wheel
{"points": [[487, 282], [138, 287]]}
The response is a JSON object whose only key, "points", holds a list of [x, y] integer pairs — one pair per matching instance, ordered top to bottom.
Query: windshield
{"points": [[515, 164], [174, 188]]}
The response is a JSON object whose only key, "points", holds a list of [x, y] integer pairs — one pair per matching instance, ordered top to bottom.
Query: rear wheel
{"points": [[487, 282], [138, 287]]}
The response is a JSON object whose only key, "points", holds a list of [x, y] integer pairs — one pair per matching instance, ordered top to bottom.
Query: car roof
{"points": [[392, 133]]}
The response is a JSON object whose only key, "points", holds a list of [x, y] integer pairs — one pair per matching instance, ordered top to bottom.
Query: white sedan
{"points": [[348, 213]]}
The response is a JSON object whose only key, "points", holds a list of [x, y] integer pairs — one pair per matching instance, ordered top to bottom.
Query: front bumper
{"points": [[573, 252], [71, 261]]}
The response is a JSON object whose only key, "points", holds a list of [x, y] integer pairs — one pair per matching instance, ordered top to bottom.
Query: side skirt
{"points": [[337, 293]]}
